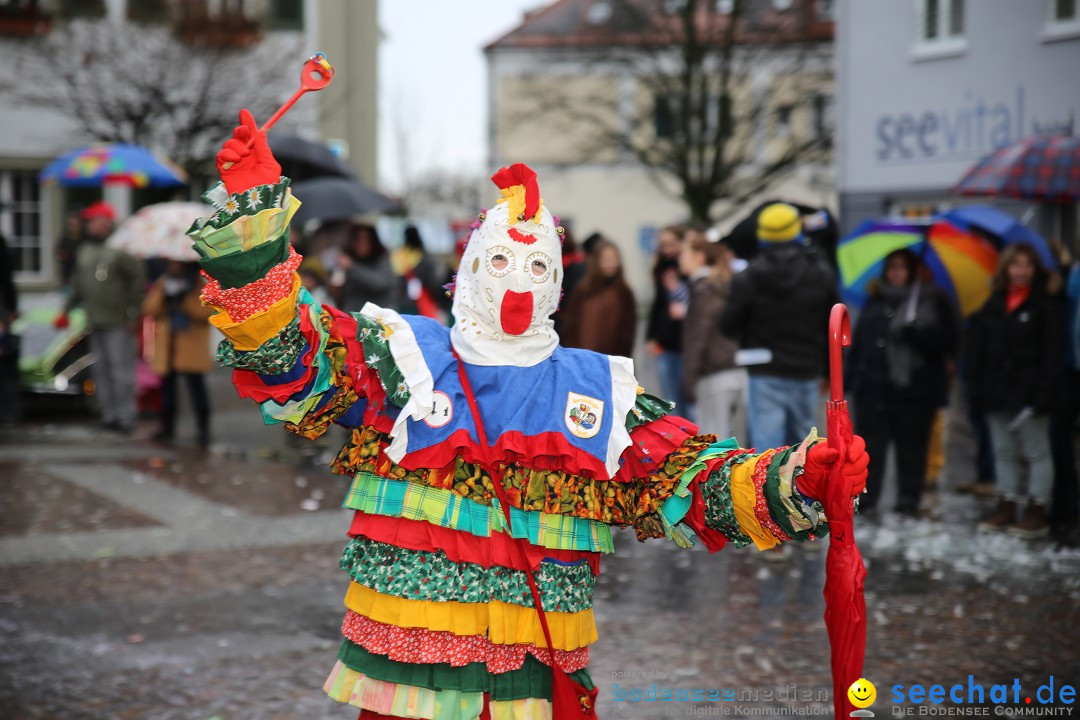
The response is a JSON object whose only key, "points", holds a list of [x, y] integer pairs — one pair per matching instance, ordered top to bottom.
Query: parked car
{"points": [[53, 362]]}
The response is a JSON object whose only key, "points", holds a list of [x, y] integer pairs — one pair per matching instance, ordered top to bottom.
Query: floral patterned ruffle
{"points": [[243, 302], [275, 356], [761, 504], [719, 506], [419, 575], [420, 645]]}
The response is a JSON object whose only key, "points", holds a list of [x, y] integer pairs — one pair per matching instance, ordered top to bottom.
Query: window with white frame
{"points": [[1063, 10], [1062, 20], [939, 27], [20, 221]]}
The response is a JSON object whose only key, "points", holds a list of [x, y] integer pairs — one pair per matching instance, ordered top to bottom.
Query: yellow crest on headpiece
{"points": [[514, 196]]}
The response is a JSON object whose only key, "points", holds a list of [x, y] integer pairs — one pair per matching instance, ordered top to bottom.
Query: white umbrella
{"points": [[160, 231]]}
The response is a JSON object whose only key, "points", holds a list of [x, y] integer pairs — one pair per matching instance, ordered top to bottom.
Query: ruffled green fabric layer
{"points": [[420, 575], [532, 680]]}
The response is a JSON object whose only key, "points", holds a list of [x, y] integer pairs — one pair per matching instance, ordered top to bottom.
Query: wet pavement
{"points": [[145, 581]]}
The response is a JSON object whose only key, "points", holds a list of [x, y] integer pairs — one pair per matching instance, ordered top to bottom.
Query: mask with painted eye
{"points": [[509, 283]]}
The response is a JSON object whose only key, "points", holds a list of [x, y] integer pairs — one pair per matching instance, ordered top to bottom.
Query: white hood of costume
{"points": [[508, 285]]}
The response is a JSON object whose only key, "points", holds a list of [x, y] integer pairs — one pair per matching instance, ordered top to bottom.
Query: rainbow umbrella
{"points": [[100, 163], [860, 256], [961, 260]]}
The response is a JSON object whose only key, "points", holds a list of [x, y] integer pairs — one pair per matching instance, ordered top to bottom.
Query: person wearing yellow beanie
{"points": [[779, 223], [780, 307]]}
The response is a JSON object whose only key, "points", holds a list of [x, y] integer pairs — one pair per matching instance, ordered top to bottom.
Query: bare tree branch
{"points": [[140, 84], [720, 102]]}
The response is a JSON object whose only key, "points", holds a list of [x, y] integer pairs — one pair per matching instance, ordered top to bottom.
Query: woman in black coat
{"points": [[1017, 354], [897, 374]]}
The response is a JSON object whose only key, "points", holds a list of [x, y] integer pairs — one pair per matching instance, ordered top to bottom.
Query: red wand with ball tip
{"points": [[315, 75]]}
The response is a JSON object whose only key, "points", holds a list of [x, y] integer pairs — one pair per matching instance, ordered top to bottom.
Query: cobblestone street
{"points": [[138, 581]]}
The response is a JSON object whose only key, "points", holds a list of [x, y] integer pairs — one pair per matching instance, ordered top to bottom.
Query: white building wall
{"points": [[913, 121]]}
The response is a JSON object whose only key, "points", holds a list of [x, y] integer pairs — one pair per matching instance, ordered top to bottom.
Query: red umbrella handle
{"points": [[839, 338]]}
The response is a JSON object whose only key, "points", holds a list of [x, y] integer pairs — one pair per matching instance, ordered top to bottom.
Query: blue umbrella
{"points": [[100, 163], [1003, 226]]}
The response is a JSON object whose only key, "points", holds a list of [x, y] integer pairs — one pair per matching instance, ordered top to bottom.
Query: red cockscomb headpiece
{"points": [[520, 190]]}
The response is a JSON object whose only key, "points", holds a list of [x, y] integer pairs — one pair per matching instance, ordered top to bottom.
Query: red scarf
{"points": [[1016, 296]]}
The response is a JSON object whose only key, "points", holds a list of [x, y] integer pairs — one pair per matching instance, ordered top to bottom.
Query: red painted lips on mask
{"points": [[516, 312]]}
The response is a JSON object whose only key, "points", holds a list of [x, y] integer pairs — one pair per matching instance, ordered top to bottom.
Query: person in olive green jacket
{"points": [[109, 284]]}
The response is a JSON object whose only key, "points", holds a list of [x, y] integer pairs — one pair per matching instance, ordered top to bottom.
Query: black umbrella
{"points": [[304, 159], [336, 198], [819, 227]]}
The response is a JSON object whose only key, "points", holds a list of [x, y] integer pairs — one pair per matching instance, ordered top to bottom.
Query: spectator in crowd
{"points": [[67, 245], [574, 265], [368, 274], [420, 276], [313, 278], [109, 284], [780, 306], [601, 314], [663, 335], [181, 345], [1015, 363], [897, 375], [712, 384], [10, 406], [1064, 507]]}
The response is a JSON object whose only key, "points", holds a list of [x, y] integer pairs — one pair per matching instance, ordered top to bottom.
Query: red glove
{"points": [[241, 167], [61, 321], [820, 460]]}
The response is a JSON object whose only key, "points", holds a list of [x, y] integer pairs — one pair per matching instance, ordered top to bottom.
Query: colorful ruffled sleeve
{"points": [[300, 361], [734, 495]]}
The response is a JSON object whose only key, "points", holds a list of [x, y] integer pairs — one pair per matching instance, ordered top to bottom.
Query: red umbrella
{"points": [[845, 607]]}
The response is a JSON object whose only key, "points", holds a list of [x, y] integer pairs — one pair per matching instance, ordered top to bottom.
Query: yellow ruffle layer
{"points": [[502, 623]]}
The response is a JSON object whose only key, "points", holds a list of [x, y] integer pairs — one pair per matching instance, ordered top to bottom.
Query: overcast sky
{"points": [[433, 82]]}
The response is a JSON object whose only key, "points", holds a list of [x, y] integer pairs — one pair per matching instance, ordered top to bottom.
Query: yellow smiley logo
{"points": [[862, 693]]}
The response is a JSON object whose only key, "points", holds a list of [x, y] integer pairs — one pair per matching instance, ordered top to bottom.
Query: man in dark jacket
{"points": [[109, 285], [780, 305], [9, 342]]}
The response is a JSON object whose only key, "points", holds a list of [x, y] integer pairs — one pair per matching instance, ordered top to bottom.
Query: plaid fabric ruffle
{"points": [[255, 297]]}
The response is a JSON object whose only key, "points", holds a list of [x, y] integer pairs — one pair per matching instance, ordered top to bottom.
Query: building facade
{"points": [[925, 88], [568, 96], [31, 135]]}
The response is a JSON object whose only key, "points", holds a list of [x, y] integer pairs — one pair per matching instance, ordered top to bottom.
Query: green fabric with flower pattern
{"points": [[229, 207], [373, 336], [275, 356], [646, 409], [719, 508], [421, 575], [532, 680]]}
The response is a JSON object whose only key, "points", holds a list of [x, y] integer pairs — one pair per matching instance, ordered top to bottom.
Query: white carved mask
{"points": [[508, 285]]}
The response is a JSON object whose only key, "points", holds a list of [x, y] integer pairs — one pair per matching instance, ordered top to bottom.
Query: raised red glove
{"points": [[241, 167], [61, 321], [819, 462]]}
